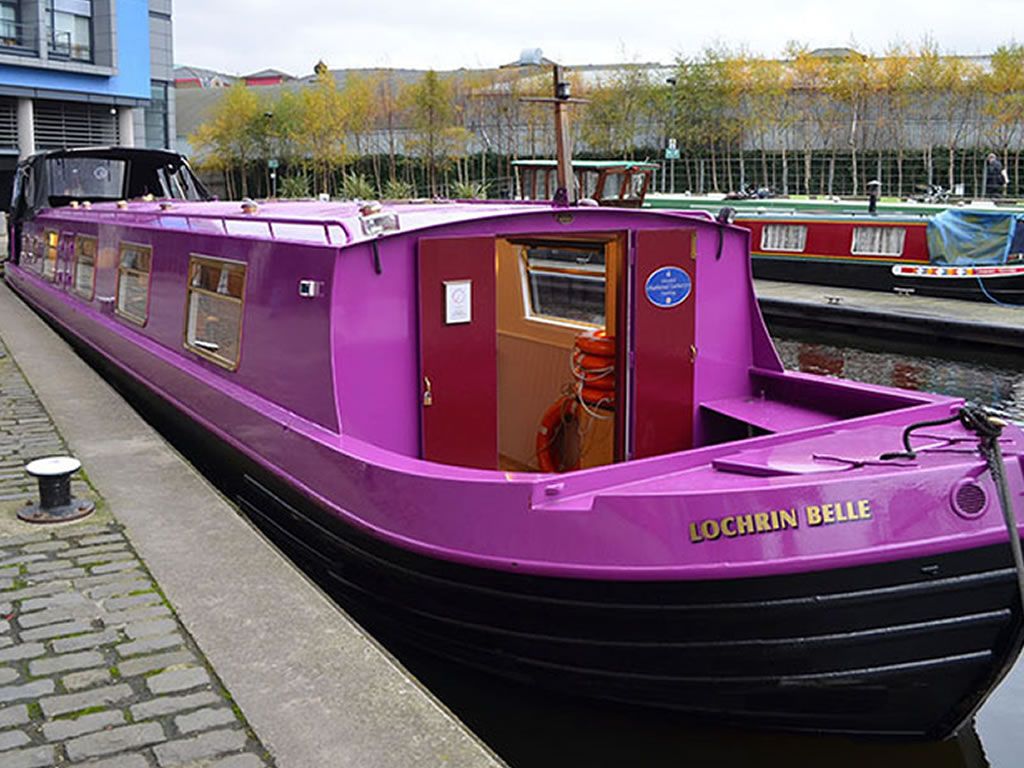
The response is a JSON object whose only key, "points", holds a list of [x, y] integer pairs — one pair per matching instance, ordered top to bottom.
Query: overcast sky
{"points": [[239, 36]]}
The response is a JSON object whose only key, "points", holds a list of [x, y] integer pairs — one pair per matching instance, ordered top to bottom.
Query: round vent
{"points": [[969, 499]]}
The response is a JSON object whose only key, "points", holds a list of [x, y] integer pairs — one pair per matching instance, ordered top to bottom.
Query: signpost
{"points": [[672, 154], [273, 165]]}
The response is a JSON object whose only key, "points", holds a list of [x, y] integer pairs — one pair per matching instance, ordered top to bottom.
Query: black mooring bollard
{"points": [[874, 192], [56, 504]]}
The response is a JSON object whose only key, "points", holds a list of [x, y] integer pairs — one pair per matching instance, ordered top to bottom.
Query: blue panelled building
{"points": [[83, 73]]}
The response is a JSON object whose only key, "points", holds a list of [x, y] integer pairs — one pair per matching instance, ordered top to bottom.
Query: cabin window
{"points": [[611, 189], [635, 190], [249, 228], [309, 233], [784, 237], [52, 239], [878, 241], [30, 252], [85, 266], [133, 272], [564, 281], [215, 293]]}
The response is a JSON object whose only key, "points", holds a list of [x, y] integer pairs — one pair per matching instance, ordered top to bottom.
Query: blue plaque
{"points": [[668, 287]]}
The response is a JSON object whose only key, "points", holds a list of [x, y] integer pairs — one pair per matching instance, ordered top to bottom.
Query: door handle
{"points": [[428, 393]]}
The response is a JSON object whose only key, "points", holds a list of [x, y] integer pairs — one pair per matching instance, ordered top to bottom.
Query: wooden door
{"points": [[663, 309], [458, 351]]}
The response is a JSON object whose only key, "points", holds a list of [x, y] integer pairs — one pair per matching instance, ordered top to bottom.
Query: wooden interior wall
{"points": [[534, 370]]}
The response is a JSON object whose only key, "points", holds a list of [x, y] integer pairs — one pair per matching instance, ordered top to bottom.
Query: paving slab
{"points": [[977, 322]]}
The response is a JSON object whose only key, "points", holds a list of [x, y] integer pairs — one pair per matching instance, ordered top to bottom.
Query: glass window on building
{"points": [[70, 28], [9, 37], [156, 114]]}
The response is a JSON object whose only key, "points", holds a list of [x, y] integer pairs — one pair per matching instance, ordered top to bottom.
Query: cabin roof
{"points": [[116, 153], [325, 223]]}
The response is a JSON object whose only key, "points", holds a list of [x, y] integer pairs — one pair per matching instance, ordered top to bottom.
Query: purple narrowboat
{"points": [[555, 443]]}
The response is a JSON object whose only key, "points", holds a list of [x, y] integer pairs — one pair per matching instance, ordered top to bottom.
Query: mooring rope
{"points": [[988, 428]]}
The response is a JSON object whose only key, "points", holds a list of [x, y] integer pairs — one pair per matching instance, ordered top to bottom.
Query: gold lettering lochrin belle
{"points": [[755, 523]]}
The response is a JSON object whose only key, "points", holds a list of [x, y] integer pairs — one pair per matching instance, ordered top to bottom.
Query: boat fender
{"points": [[554, 426]]}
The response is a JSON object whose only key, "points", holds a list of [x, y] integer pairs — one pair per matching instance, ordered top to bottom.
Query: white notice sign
{"points": [[458, 301]]}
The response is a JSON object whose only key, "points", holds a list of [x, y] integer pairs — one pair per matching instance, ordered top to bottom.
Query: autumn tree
{"points": [[849, 84], [894, 88], [1004, 101], [701, 108], [617, 111], [432, 117], [321, 129], [229, 140]]}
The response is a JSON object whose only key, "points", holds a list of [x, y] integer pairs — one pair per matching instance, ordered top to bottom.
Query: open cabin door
{"points": [[663, 342], [458, 351]]}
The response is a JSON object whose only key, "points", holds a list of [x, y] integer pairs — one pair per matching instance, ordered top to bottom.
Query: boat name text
{"points": [[813, 516]]}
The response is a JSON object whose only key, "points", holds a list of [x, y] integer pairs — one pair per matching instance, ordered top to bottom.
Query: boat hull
{"points": [[879, 276], [904, 649]]}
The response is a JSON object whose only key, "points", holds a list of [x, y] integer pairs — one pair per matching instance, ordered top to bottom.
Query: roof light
{"points": [[380, 223]]}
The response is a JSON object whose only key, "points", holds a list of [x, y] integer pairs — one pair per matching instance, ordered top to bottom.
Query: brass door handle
{"points": [[428, 393]]}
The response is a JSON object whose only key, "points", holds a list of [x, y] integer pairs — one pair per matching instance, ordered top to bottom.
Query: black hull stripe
{"points": [[900, 591]]}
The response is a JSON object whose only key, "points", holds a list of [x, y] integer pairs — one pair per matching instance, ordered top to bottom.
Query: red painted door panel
{"points": [[663, 342], [459, 361]]}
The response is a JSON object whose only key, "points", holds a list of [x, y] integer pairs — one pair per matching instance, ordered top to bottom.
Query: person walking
{"points": [[996, 178]]}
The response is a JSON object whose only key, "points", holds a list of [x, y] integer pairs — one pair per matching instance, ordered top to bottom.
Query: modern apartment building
{"points": [[83, 73]]}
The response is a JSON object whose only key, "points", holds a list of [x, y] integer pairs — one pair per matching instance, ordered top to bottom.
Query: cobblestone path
{"points": [[95, 668]]}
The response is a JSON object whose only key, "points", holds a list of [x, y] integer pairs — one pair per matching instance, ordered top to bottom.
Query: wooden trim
{"points": [[74, 266], [52, 276], [141, 322], [213, 357]]}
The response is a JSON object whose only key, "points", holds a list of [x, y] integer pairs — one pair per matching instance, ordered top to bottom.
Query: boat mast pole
{"points": [[566, 189], [565, 194]]}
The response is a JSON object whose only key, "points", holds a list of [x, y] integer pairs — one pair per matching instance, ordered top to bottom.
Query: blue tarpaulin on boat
{"points": [[974, 237]]}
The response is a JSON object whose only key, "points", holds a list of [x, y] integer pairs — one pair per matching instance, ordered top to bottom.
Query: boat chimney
{"points": [[874, 189]]}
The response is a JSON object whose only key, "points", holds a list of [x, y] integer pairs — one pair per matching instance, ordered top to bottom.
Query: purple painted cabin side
{"points": [[329, 382]]}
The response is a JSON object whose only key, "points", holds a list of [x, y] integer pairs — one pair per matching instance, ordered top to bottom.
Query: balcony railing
{"points": [[21, 39], [63, 47]]}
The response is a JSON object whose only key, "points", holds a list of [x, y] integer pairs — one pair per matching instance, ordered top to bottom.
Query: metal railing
{"points": [[19, 38], [63, 47]]}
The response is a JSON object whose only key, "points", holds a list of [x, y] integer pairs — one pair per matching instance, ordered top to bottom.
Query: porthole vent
{"points": [[969, 499]]}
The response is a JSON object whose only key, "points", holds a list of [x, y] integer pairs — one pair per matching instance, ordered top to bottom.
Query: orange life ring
{"points": [[596, 343], [597, 363], [593, 365], [605, 383], [601, 398], [559, 416]]}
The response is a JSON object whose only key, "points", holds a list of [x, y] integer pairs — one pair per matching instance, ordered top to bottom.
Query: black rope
{"points": [[988, 428], [909, 452]]}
